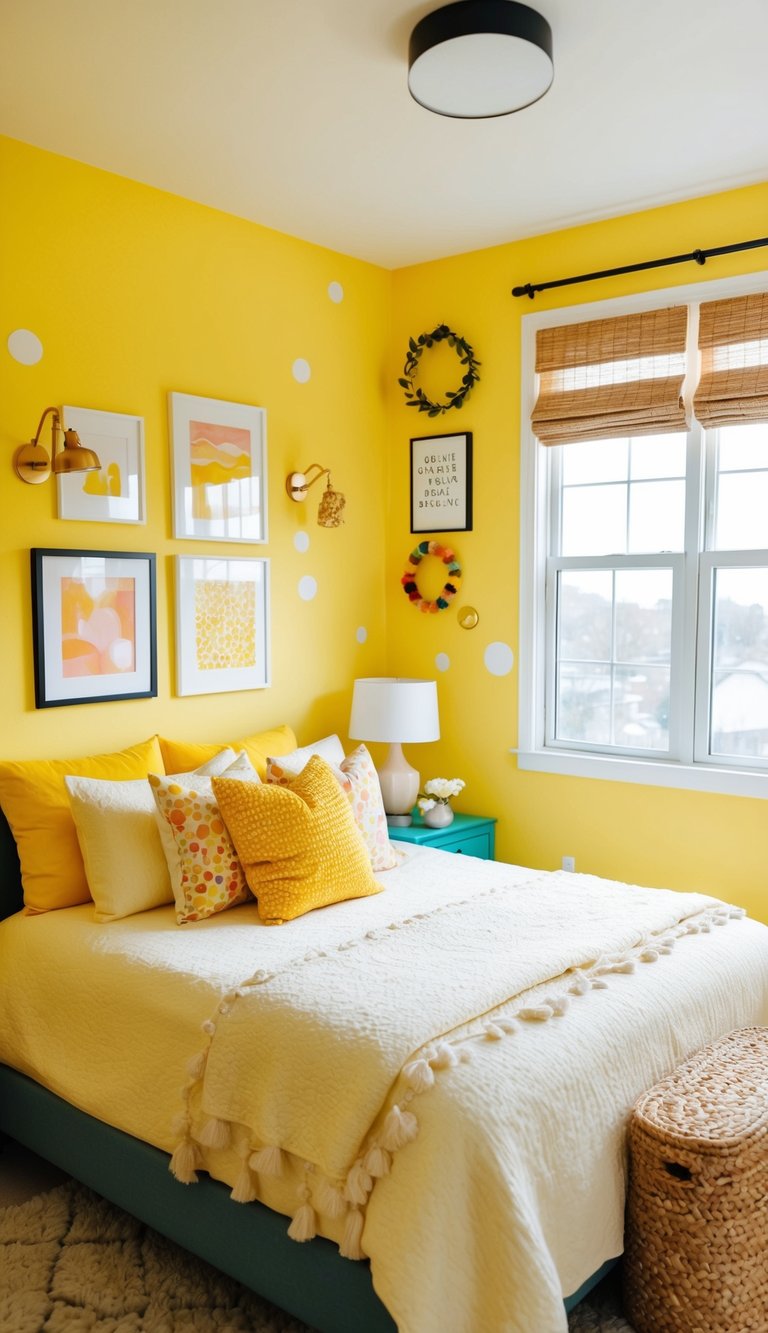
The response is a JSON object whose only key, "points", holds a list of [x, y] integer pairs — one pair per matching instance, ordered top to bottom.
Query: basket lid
{"points": [[721, 1093]]}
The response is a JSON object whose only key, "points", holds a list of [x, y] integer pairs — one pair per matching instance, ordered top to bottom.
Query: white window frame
{"points": [[535, 750]]}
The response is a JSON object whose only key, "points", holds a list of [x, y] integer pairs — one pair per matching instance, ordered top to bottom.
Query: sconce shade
{"points": [[476, 59], [74, 457], [331, 508], [394, 709]]}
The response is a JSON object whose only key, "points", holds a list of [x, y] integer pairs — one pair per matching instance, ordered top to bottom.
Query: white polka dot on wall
{"points": [[336, 292], [25, 347], [301, 370], [301, 542], [307, 588], [361, 634], [499, 659], [442, 661]]}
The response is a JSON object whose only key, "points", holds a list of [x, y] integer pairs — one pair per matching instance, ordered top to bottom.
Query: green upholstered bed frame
{"points": [[250, 1243]]}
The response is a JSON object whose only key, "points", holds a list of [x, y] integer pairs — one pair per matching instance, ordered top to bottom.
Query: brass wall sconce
{"points": [[33, 464], [330, 511]]}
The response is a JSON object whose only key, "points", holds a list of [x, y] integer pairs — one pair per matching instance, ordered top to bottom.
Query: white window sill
{"points": [[649, 772]]}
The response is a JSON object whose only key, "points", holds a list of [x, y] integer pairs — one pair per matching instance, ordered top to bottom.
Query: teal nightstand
{"points": [[469, 835]]}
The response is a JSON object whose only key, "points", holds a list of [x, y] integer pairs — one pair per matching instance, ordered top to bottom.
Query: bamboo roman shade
{"points": [[733, 338], [611, 377]]}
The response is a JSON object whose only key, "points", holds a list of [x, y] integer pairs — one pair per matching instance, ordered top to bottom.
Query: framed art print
{"points": [[219, 454], [441, 483], [115, 494], [222, 624], [94, 626]]}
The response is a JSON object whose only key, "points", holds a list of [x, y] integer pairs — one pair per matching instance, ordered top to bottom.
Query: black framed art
{"points": [[441, 483], [94, 626]]}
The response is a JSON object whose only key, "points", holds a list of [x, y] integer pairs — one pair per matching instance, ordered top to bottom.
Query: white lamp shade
{"points": [[394, 709]]}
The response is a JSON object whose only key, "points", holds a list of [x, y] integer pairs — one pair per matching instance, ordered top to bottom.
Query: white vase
{"points": [[440, 816]]}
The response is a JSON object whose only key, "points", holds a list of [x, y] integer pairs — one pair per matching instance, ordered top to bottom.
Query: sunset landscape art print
{"points": [[219, 456]]}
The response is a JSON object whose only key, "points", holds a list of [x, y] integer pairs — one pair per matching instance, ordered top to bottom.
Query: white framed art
{"points": [[219, 453], [441, 483], [117, 493], [222, 624]]}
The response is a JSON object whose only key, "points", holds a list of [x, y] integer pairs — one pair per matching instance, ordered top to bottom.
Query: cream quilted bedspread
{"points": [[512, 1192]]}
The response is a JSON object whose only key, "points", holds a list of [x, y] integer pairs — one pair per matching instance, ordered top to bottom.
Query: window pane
{"points": [[743, 446], [658, 455], [594, 460], [742, 511], [657, 516], [594, 520], [644, 615], [584, 620], [584, 704], [641, 707], [739, 721]]}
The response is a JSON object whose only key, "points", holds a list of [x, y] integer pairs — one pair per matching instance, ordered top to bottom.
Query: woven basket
{"points": [[696, 1256]]}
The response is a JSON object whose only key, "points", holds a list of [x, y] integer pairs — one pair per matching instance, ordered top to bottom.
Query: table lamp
{"points": [[400, 711]]}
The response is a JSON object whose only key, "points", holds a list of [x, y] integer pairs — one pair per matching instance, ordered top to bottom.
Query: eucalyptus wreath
{"points": [[455, 398]]}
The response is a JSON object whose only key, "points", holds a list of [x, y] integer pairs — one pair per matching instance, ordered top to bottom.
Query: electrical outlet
{"points": [[569, 863]]}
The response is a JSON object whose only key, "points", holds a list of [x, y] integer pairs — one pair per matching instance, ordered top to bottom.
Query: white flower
{"points": [[442, 789], [425, 804]]}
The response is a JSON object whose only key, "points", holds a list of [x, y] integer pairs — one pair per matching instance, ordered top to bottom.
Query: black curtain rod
{"points": [[696, 256]]}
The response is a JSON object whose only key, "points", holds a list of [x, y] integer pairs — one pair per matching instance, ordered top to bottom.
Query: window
{"points": [[644, 608]]}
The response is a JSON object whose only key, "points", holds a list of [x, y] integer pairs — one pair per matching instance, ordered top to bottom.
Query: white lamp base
{"points": [[399, 787]]}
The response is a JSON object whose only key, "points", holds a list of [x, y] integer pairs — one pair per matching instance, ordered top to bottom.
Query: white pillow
{"points": [[283, 768], [125, 865]]}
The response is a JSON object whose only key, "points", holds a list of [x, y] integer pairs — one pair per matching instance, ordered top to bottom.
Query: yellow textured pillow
{"points": [[182, 756], [35, 803], [299, 846]]}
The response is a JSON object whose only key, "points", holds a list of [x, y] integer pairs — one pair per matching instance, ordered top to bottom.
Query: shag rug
{"points": [[72, 1263]]}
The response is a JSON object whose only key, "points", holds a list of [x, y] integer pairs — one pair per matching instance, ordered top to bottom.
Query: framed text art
{"points": [[219, 453], [441, 483], [116, 493], [222, 624], [94, 626]]}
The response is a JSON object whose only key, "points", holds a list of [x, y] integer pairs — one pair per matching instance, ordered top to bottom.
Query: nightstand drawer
{"points": [[472, 844]]}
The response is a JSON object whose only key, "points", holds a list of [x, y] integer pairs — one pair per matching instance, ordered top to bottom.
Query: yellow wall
{"points": [[135, 293], [651, 835]]}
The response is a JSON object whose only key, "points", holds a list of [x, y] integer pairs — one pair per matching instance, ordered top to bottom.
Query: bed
{"points": [[505, 1208]]}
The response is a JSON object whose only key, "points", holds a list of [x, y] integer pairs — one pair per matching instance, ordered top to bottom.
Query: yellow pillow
{"points": [[183, 756], [35, 803], [299, 846]]}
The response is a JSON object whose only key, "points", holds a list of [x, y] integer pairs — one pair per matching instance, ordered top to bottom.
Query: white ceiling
{"points": [[296, 114]]}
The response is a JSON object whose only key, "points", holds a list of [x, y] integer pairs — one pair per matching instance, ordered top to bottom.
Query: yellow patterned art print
{"points": [[220, 459], [225, 624], [98, 626]]}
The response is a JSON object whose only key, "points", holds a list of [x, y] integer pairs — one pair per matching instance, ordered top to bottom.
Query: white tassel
{"points": [[737, 913], [664, 948], [650, 956], [628, 967], [599, 985], [580, 986], [559, 1005], [535, 1013], [509, 1026], [493, 1032], [465, 1056], [445, 1058], [196, 1066], [419, 1075], [399, 1128], [214, 1134], [267, 1161], [183, 1162], [377, 1162], [358, 1184], [243, 1190], [329, 1199], [304, 1224], [350, 1247]]}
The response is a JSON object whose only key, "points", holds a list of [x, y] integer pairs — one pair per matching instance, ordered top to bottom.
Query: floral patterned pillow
{"points": [[206, 875]]}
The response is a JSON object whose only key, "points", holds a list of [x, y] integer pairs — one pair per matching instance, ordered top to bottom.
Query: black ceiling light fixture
{"points": [[480, 58]]}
